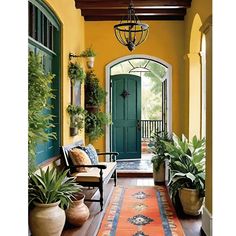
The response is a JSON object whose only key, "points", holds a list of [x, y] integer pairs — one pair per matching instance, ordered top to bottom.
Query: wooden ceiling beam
{"points": [[119, 4], [138, 12], [141, 17]]}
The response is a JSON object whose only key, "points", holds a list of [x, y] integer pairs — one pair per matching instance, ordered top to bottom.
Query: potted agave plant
{"points": [[89, 54], [158, 148], [187, 164], [50, 192]]}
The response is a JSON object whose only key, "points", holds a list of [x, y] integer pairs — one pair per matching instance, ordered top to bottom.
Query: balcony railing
{"points": [[148, 127]]}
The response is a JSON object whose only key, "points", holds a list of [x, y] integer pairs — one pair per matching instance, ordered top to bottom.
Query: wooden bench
{"points": [[98, 176]]}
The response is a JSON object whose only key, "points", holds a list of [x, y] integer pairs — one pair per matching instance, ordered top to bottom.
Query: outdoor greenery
{"points": [[88, 52], [76, 72], [39, 95], [95, 95], [77, 116], [95, 124], [158, 148], [187, 164], [51, 186]]}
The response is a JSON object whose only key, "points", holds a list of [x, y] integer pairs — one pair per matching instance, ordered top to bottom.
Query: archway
{"points": [[195, 78], [168, 84]]}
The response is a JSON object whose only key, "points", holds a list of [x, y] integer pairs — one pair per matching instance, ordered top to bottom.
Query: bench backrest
{"points": [[66, 149]]}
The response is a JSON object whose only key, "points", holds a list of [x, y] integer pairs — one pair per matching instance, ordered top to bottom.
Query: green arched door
{"points": [[126, 115]]}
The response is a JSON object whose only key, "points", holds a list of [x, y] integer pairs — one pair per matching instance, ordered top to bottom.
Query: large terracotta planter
{"points": [[159, 176], [190, 200], [78, 212], [47, 219]]}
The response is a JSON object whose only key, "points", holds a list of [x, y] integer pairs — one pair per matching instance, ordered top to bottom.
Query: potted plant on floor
{"points": [[89, 54], [95, 95], [77, 117], [158, 148], [187, 164], [47, 191], [78, 212]]}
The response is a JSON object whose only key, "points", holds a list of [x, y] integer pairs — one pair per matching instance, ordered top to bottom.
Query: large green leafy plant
{"points": [[39, 94], [158, 148], [187, 164], [51, 186]]}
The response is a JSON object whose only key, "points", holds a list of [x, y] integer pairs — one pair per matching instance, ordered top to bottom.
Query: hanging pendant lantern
{"points": [[131, 32]]}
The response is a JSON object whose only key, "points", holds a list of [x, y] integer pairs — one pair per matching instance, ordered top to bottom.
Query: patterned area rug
{"points": [[140, 211]]}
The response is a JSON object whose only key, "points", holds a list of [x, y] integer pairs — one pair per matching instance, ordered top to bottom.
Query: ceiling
{"points": [[101, 10]]}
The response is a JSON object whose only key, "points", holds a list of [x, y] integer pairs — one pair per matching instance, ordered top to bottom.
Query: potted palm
{"points": [[89, 54], [95, 95], [77, 116], [158, 148], [187, 164], [50, 192]]}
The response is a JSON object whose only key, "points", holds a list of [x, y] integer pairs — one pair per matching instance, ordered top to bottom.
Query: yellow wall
{"points": [[204, 9], [72, 35], [165, 41]]}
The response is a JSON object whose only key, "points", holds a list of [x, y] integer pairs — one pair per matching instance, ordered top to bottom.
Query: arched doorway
{"points": [[135, 70]]}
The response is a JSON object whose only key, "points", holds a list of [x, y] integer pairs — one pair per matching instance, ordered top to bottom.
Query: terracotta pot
{"points": [[90, 62], [159, 176], [190, 200], [78, 212], [47, 219]]}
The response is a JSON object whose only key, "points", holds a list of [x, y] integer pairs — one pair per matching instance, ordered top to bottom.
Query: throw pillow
{"points": [[91, 151], [80, 157]]}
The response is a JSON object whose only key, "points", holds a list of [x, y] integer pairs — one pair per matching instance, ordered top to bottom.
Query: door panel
{"points": [[126, 112]]}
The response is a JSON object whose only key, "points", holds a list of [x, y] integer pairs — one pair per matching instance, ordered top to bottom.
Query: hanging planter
{"points": [[89, 54], [90, 62], [76, 73], [77, 116]]}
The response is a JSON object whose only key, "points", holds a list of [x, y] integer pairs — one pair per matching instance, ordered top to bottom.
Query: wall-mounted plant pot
{"points": [[90, 62], [91, 109], [73, 131]]}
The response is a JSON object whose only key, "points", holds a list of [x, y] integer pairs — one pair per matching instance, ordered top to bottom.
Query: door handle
{"points": [[139, 124]]}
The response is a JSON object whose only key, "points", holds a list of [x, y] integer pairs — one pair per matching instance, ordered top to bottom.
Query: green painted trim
{"points": [[41, 5], [40, 46]]}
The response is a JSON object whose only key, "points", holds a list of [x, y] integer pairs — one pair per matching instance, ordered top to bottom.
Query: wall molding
{"points": [[169, 89], [207, 222]]}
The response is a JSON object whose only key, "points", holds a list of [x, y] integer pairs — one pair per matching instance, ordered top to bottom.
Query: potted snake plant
{"points": [[187, 165], [50, 193]]}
